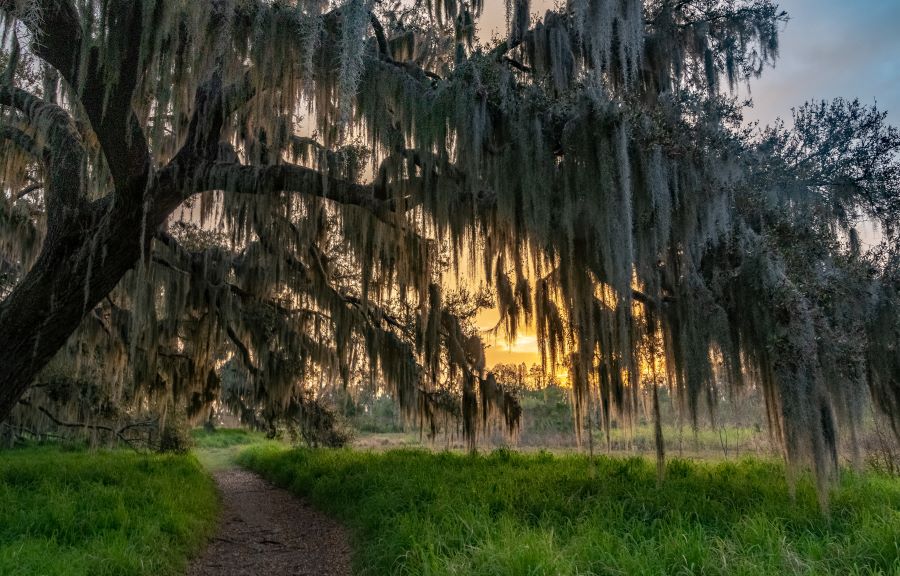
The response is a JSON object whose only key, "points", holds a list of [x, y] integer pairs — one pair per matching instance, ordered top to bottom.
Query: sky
{"points": [[833, 48], [828, 49]]}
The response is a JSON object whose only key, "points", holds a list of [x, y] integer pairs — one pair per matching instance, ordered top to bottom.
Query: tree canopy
{"points": [[247, 200]]}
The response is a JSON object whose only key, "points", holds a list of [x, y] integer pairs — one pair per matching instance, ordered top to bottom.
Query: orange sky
{"points": [[523, 349]]}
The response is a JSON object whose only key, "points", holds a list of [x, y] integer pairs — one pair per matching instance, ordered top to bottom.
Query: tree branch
{"points": [[380, 38], [58, 40], [518, 65], [53, 121], [25, 143], [64, 154], [285, 178], [29, 189], [244, 351], [119, 433]]}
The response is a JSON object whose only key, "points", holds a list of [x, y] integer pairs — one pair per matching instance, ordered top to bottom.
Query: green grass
{"points": [[224, 437], [731, 440], [217, 449], [66, 513], [421, 513]]}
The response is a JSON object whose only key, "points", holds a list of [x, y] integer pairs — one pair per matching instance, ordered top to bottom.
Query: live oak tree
{"points": [[284, 187], [289, 284]]}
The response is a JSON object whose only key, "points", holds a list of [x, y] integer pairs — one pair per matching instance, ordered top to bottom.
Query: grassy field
{"points": [[224, 438], [725, 442], [218, 449], [66, 513], [423, 513]]}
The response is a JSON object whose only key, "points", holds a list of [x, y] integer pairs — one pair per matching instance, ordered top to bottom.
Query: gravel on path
{"points": [[267, 531]]}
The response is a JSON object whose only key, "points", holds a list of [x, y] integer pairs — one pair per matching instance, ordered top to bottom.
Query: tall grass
{"points": [[110, 513], [421, 513]]}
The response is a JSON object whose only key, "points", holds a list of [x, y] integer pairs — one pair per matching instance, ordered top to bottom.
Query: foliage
{"points": [[282, 188], [371, 413], [319, 425], [416, 512], [113, 513]]}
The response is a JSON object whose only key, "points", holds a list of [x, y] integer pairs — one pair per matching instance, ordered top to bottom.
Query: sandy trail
{"points": [[266, 531]]}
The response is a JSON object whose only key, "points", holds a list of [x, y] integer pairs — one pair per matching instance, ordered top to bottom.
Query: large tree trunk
{"points": [[76, 269]]}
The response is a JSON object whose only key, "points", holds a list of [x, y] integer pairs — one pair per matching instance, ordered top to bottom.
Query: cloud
{"points": [[829, 48], [834, 48]]}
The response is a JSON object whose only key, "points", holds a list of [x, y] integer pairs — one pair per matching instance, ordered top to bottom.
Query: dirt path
{"points": [[266, 531]]}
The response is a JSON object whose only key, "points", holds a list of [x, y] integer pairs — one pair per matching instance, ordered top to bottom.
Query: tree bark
{"points": [[74, 272]]}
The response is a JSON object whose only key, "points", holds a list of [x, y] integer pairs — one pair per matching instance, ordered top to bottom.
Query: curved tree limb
{"points": [[58, 40], [25, 143], [63, 153], [281, 178]]}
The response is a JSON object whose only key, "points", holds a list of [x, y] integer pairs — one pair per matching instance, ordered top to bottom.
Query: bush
{"points": [[175, 437]]}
